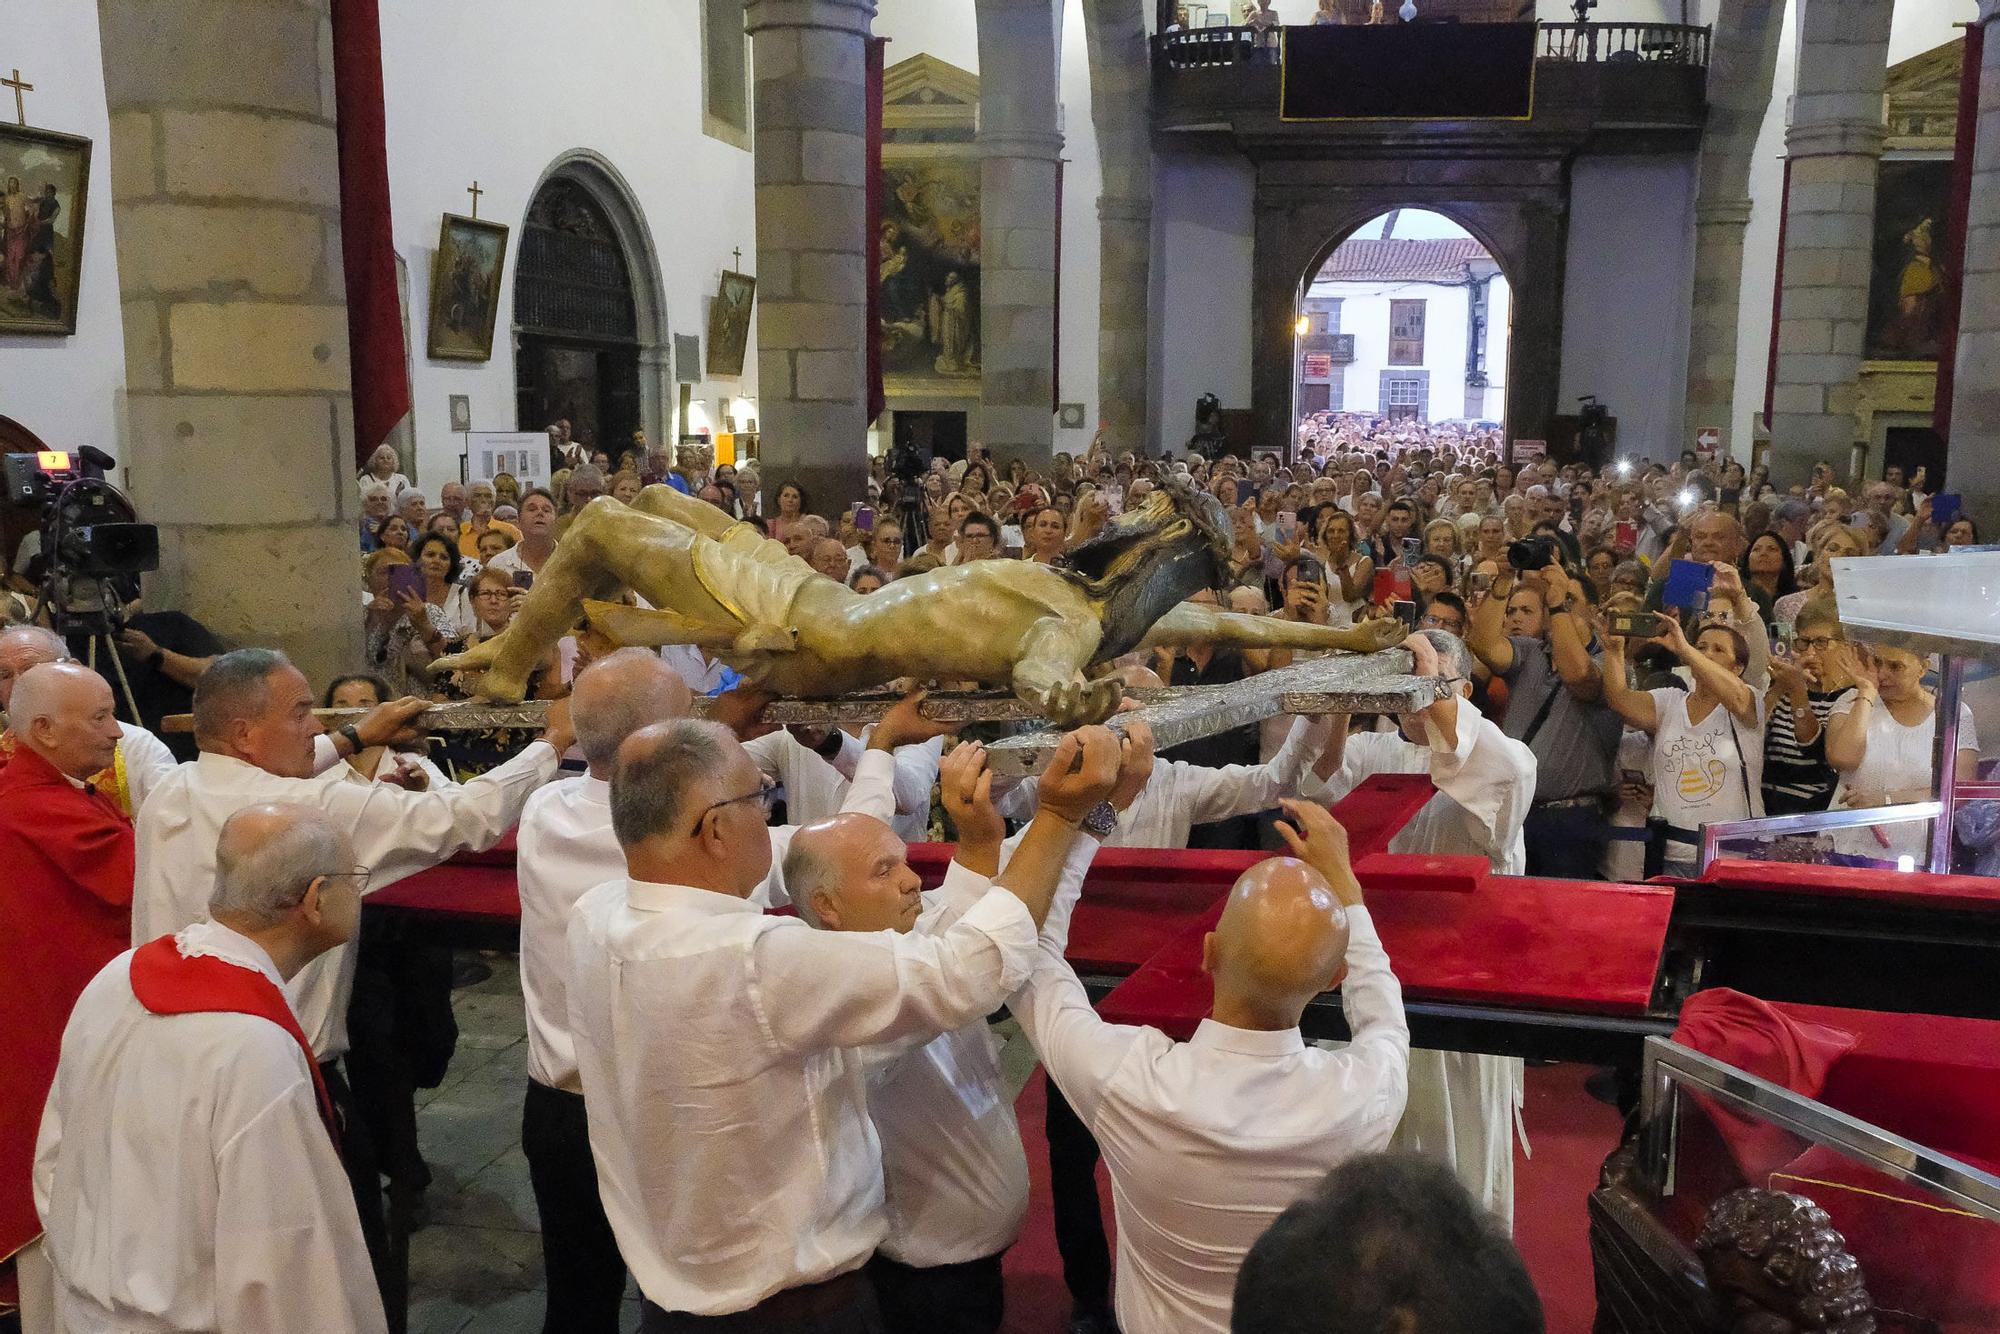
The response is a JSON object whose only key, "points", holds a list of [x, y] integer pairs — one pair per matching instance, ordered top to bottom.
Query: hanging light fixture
{"points": [[1408, 13], [1302, 326]]}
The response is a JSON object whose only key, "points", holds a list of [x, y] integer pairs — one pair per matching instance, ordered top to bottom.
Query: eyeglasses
{"points": [[490, 593], [1433, 622], [1812, 641], [764, 793], [357, 874]]}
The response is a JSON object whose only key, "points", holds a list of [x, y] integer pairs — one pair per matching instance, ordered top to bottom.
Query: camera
{"points": [[91, 537], [1534, 553]]}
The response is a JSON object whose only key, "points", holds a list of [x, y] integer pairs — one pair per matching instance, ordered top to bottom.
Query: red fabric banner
{"points": [[1955, 209], [368, 247], [1777, 295], [878, 399]]}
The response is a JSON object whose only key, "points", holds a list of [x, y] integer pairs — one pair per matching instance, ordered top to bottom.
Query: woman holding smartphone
{"points": [[1349, 574]]}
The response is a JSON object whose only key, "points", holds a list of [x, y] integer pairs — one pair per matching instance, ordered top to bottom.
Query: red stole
{"points": [[66, 861], [168, 982]]}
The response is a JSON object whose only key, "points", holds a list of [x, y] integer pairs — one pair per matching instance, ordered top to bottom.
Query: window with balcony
{"points": [[1406, 333]]}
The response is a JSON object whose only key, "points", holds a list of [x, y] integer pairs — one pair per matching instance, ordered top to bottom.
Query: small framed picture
{"points": [[44, 178], [461, 412], [1070, 416]]}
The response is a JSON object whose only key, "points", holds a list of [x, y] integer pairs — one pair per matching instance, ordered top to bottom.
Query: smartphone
{"points": [[1945, 507], [864, 518], [1288, 523], [1628, 535], [1413, 547], [1309, 568], [406, 579], [524, 579], [1479, 582], [1688, 582], [1384, 589], [1406, 612], [1637, 625]]}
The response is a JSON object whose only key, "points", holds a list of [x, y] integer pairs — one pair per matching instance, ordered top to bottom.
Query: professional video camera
{"points": [[93, 547]]}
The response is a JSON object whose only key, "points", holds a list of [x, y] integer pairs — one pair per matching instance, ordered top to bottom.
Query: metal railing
{"points": [[1582, 43], [1624, 43], [1340, 346]]}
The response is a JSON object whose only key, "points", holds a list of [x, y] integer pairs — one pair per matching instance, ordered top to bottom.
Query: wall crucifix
{"points": [[20, 103]]}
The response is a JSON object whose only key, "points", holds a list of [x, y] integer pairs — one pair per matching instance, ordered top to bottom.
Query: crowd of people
{"points": [[799, 1121]]}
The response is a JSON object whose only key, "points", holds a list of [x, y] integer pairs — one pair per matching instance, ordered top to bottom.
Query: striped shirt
{"points": [[1797, 777]]}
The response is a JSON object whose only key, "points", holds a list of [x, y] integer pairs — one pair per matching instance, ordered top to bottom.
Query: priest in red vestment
{"points": [[65, 907]]}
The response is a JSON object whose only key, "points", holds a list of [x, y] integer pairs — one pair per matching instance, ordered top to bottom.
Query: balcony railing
{"points": [[1582, 43], [1340, 346]]}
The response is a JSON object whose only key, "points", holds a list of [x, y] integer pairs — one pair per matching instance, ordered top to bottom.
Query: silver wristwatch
{"points": [[1100, 821]]}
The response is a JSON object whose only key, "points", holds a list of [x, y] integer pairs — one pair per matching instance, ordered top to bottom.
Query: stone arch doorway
{"points": [[1517, 211], [1407, 317], [590, 329]]}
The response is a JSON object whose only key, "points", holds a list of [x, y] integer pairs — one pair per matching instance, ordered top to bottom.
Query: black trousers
{"points": [[1566, 842], [364, 1175], [1080, 1239], [585, 1274], [966, 1298], [843, 1305]]}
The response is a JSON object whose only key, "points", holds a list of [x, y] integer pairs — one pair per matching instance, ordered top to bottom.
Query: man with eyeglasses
{"points": [[259, 740], [1461, 1105], [728, 1118], [187, 1169]]}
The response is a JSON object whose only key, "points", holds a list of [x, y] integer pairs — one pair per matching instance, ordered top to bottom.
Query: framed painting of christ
{"points": [[44, 181], [465, 288], [729, 323]]}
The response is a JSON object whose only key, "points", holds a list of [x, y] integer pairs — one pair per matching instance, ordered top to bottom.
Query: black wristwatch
{"points": [[353, 735], [1100, 821]]}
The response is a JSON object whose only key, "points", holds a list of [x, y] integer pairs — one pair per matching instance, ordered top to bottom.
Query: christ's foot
{"points": [[486, 673]]}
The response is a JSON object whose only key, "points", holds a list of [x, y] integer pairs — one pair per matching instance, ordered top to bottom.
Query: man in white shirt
{"points": [[254, 723], [816, 765], [1177, 797], [566, 845], [1462, 1106], [728, 1121], [1208, 1140], [185, 1170], [955, 1177]]}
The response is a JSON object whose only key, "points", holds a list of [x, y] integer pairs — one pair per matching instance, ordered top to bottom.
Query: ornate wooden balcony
{"points": [[1622, 86]]}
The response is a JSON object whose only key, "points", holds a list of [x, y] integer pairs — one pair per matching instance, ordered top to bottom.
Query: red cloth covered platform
{"points": [[1923, 889]]}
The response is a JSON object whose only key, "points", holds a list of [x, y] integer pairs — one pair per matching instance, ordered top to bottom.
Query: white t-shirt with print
{"points": [[1698, 768]]}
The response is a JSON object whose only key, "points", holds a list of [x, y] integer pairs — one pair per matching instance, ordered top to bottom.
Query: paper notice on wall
{"points": [[1526, 451], [523, 455]]}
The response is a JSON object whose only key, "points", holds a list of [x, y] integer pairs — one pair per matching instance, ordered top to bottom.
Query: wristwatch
{"points": [[353, 735], [1100, 821]]}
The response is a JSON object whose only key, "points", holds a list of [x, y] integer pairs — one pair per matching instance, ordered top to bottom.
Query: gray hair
{"points": [[587, 473], [372, 488], [39, 635], [1452, 653], [236, 685], [38, 692], [604, 722], [655, 771], [266, 858], [806, 871]]}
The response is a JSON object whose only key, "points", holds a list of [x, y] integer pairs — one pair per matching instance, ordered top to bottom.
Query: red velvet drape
{"points": [[368, 247], [1953, 258], [1777, 296], [877, 398]]}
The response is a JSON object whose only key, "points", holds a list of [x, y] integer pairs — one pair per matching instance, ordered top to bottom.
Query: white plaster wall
{"points": [[497, 90], [1203, 233], [1627, 292], [1364, 312], [1499, 342], [67, 389]]}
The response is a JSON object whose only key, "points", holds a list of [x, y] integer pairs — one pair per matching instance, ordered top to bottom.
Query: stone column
{"points": [[1743, 58], [1121, 85], [1834, 144], [1019, 148], [813, 251], [238, 422], [1974, 447]]}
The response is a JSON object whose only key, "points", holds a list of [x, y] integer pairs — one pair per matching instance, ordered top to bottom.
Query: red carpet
{"points": [[1571, 1133]]}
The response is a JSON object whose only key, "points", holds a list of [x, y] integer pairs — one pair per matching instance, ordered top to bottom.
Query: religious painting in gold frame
{"points": [[44, 185], [928, 245], [465, 288], [729, 323]]}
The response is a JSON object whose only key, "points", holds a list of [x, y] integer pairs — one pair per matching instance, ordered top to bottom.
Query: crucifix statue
{"points": [[20, 103], [475, 192]]}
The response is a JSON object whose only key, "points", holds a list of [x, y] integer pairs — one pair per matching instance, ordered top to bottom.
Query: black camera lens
{"points": [[1534, 553]]}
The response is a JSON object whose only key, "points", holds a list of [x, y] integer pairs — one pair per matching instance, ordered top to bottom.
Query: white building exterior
{"points": [[1406, 328]]}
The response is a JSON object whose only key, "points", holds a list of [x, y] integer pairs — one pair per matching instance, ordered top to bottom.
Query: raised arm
{"points": [[1194, 623], [1487, 635], [1569, 636], [1735, 694], [1634, 706]]}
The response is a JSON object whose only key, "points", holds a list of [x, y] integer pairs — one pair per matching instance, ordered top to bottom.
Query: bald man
{"points": [[829, 557], [140, 759], [65, 911], [1209, 1140], [186, 1166]]}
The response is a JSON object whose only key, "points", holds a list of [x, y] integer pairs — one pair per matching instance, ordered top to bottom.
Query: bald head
{"points": [[1714, 536], [829, 557], [22, 647], [617, 695], [63, 711], [851, 873], [285, 876], [1282, 940]]}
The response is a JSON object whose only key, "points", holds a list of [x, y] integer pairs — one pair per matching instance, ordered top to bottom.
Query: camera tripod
{"points": [[91, 619]]}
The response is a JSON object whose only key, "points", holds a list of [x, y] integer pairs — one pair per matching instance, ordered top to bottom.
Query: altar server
{"points": [[254, 723], [138, 761], [565, 846], [65, 911], [1462, 1107], [728, 1123], [1209, 1140], [186, 1169], [954, 1174]]}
